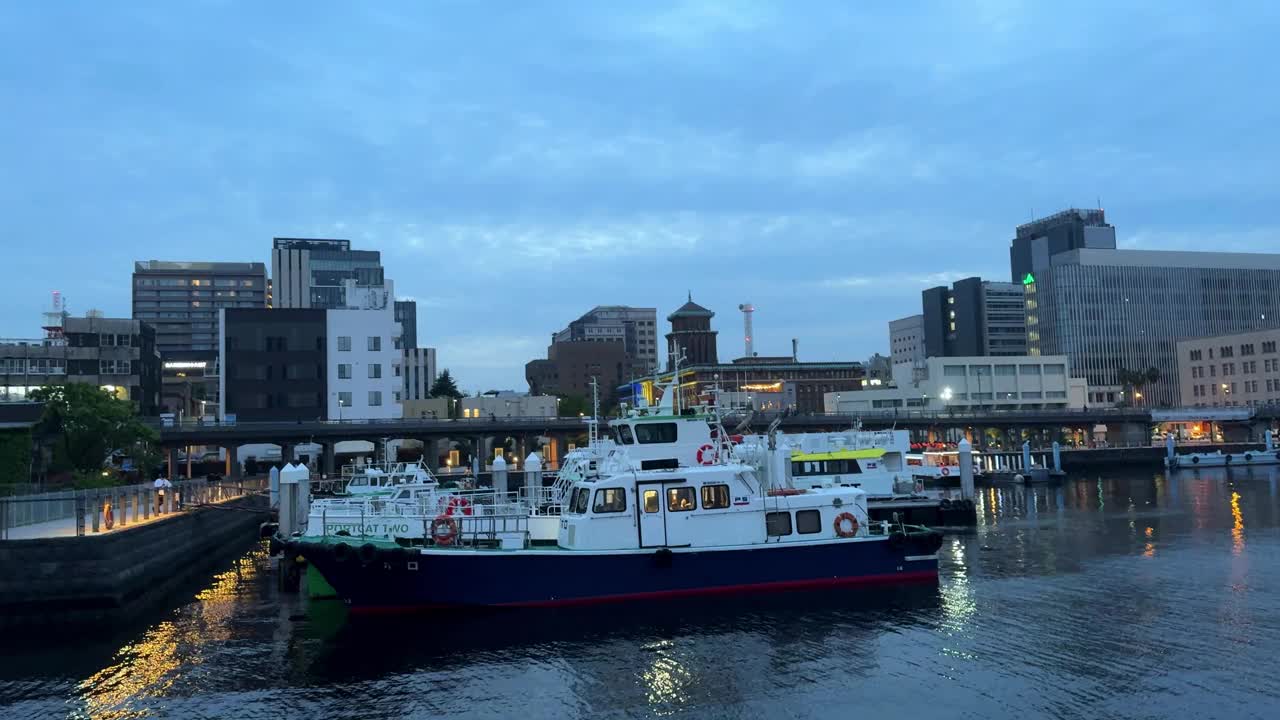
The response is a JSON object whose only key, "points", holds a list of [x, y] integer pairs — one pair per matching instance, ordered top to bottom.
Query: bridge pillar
{"points": [[188, 449], [286, 452], [171, 458], [327, 459], [233, 462]]}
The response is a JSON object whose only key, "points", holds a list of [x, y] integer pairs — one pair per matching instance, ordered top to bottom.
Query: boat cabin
{"points": [[715, 506]]}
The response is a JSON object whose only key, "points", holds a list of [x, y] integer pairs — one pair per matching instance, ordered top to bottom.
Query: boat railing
{"points": [[543, 501], [493, 528]]}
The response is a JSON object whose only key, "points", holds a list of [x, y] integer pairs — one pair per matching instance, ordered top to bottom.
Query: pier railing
{"points": [[86, 512]]}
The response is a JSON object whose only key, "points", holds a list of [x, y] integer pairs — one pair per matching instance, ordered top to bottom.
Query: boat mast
{"points": [[593, 431]]}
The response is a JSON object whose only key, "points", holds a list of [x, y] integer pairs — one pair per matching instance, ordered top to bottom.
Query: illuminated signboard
{"points": [[1029, 279], [185, 365]]}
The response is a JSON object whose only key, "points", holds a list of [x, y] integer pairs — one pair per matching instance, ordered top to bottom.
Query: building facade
{"points": [[1035, 242], [312, 273], [1114, 310], [407, 316], [974, 317], [635, 328], [691, 337], [906, 340], [116, 354], [273, 364], [570, 367], [419, 370], [1230, 370], [365, 373], [761, 382], [979, 382], [506, 405]]}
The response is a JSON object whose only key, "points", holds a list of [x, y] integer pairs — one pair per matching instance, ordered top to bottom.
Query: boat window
{"points": [[652, 433], [624, 435], [402, 494], [715, 497], [573, 499], [679, 499], [610, 500], [651, 501], [580, 503], [808, 522], [777, 524]]}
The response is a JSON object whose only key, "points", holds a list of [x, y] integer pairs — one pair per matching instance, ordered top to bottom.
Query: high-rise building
{"points": [[1038, 240], [310, 273], [181, 299], [1125, 310], [407, 316], [974, 317], [635, 328], [691, 337], [906, 340], [570, 367], [419, 370]]}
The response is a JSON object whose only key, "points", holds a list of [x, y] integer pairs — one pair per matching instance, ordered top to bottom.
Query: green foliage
{"points": [[445, 386], [571, 405], [87, 424], [15, 456], [87, 480]]}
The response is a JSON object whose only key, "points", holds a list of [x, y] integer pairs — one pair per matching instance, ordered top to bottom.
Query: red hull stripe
{"points": [[781, 586]]}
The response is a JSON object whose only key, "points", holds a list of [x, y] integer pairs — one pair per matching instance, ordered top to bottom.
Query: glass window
{"points": [[344, 343], [375, 343], [1055, 369], [375, 370], [953, 370], [1000, 370], [1029, 370], [344, 371], [1031, 395], [375, 398], [344, 399], [650, 433], [624, 434], [715, 497], [678, 499], [611, 500], [651, 501], [580, 504], [808, 522], [777, 524]]}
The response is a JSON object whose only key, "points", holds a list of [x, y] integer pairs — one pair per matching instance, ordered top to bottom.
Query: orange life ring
{"points": [[706, 455], [946, 470], [459, 504], [108, 515], [839, 525], [444, 529]]}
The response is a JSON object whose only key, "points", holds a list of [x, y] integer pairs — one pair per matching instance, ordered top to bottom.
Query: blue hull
{"points": [[400, 579]]}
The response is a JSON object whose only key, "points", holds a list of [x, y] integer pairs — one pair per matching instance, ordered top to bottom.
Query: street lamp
{"points": [[946, 394]]}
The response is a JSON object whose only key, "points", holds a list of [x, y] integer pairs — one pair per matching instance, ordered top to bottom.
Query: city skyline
{"points": [[825, 165]]}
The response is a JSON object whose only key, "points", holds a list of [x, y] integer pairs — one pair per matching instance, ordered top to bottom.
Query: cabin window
{"points": [[653, 433], [624, 435], [715, 497], [573, 499], [680, 499], [610, 500], [651, 501], [580, 503], [808, 522], [777, 524]]}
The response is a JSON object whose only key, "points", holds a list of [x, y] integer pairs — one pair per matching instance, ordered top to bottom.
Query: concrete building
{"points": [[1035, 242], [311, 273], [1112, 310], [407, 316], [974, 317], [635, 328], [691, 335], [906, 340], [116, 354], [364, 355], [570, 367], [419, 370], [1230, 370], [979, 382], [508, 405], [434, 408]]}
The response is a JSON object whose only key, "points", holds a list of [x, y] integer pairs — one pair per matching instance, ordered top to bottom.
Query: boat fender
{"points": [[1248, 457], [1195, 460], [1228, 460], [945, 505], [968, 505], [846, 525], [444, 529], [897, 540], [341, 552], [368, 552], [394, 555], [662, 558]]}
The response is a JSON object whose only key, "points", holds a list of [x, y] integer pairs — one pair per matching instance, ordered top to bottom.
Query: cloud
{"points": [[896, 280]]}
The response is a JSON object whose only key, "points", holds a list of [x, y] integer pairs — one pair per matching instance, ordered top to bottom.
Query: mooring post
{"points": [[1267, 435], [1168, 445], [965, 449], [1026, 456], [1057, 457]]}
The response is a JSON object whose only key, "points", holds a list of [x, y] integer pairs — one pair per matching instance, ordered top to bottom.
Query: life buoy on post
{"points": [[706, 455], [946, 470], [846, 525], [444, 529]]}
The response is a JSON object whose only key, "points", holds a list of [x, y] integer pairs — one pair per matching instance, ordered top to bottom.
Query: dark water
{"points": [[1130, 596]]}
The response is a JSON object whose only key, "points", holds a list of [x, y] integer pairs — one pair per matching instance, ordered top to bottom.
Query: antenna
{"points": [[747, 310]]}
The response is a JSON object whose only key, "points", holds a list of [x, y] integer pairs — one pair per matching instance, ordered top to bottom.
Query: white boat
{"points": [[1261, 456], [937, 465], [383, 478]]}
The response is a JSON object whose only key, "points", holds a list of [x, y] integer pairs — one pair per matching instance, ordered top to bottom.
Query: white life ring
{"points": [[706, 455], [946, 470]]}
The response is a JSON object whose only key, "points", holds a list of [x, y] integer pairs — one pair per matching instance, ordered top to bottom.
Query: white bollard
{"points": [[1168, 444], [1270, 446], [965, 449], [1026, 456], [1057, 457], [499, 474]]}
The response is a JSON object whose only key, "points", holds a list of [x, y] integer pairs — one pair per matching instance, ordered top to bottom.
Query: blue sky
{"points": [[519, 162]]}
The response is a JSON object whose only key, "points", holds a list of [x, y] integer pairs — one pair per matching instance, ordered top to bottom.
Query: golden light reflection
{"points": [[1237, 527], [1149, 550], [147, 668], [667, 681]]}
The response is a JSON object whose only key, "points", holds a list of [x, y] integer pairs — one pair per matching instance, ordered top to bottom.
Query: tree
{"points": [[444, 386], [571, 405], [88, 424]]}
